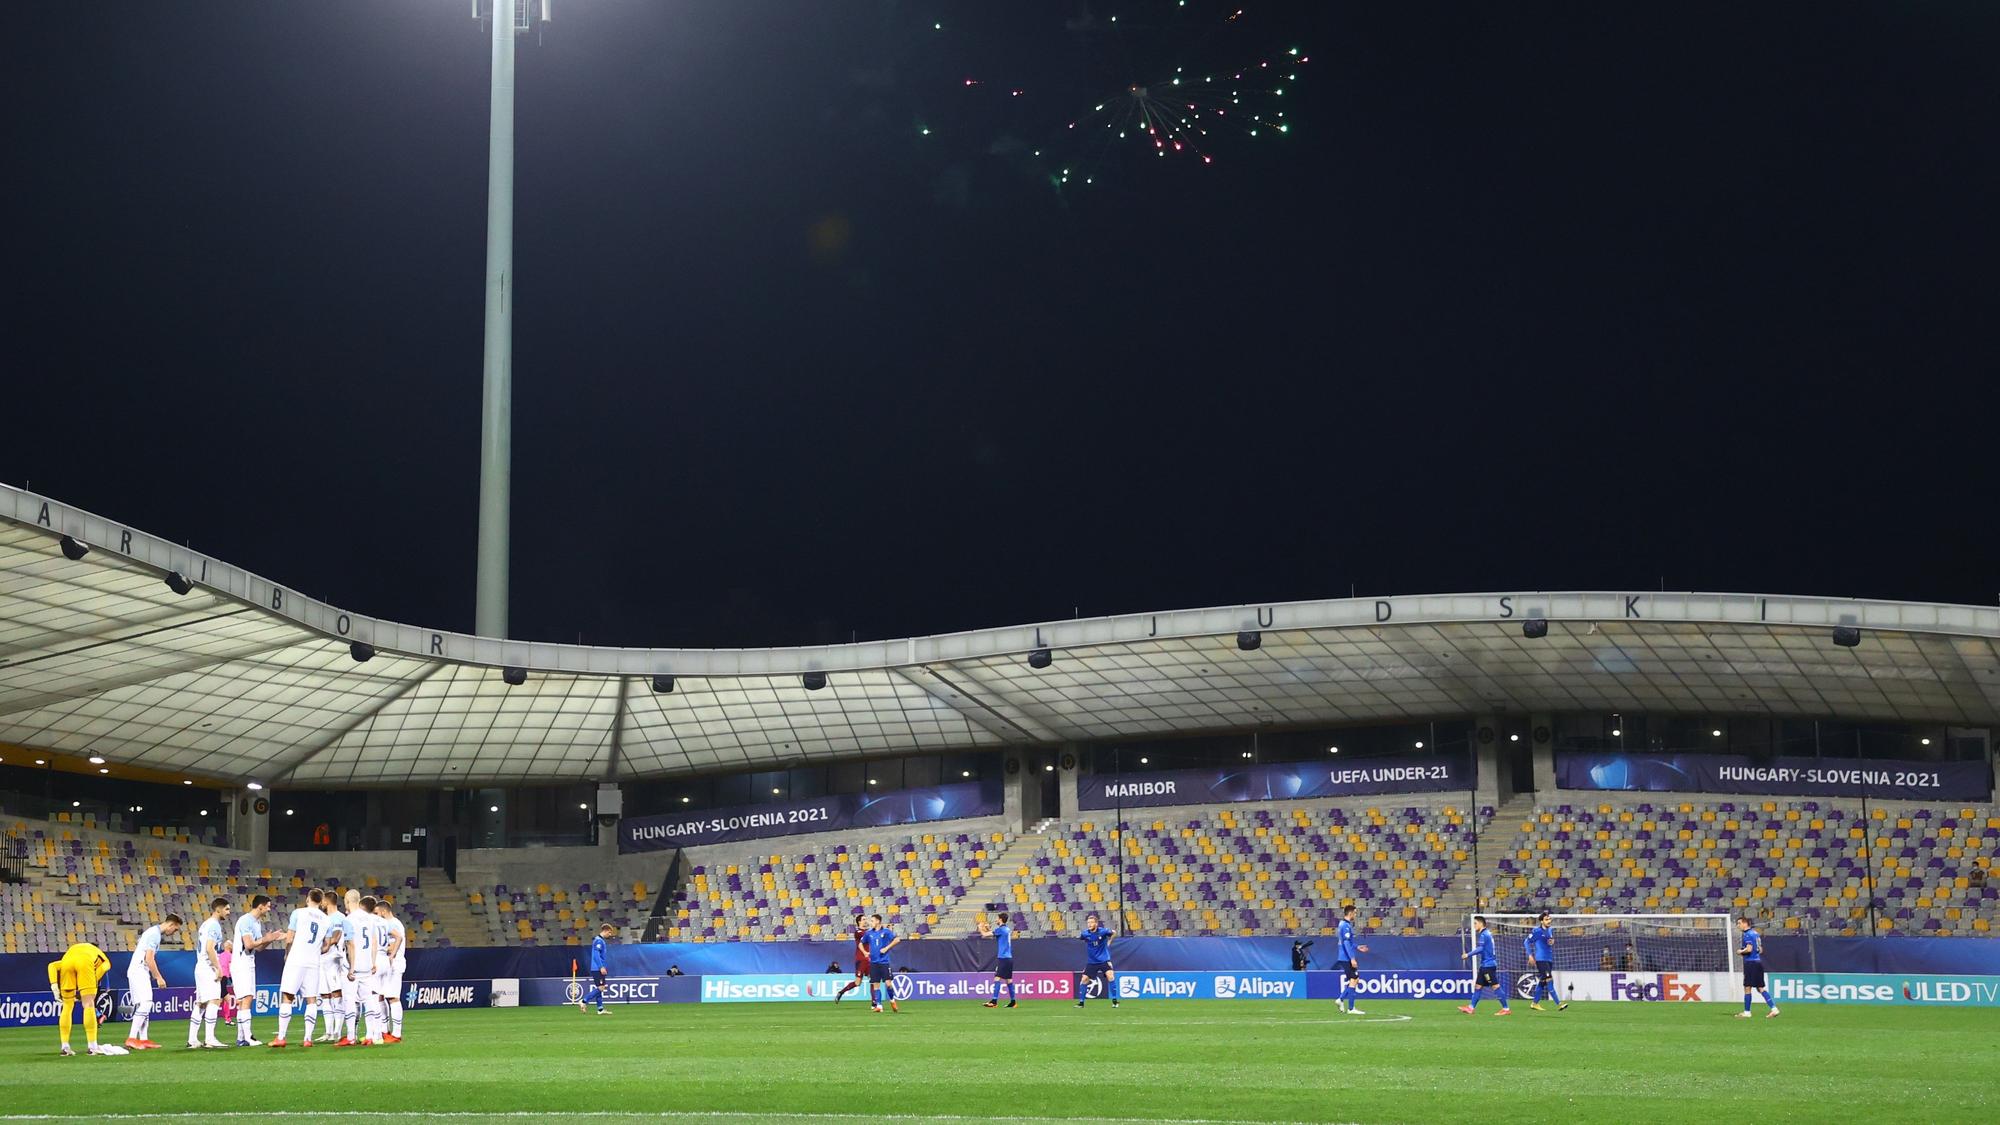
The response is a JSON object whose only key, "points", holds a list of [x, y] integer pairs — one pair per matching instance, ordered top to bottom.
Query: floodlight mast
{"points": [[508, 18]]}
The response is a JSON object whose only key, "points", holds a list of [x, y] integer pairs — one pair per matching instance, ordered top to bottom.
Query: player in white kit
{"points": [[364, 941], [208, 944], [243, 946], [141, 973], [301, 976], [389, 978], [333, 988]]}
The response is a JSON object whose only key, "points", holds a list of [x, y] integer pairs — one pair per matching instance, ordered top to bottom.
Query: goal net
{"points": [[1625, 943]]}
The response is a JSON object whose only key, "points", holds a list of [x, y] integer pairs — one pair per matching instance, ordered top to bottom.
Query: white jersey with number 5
{"points": [[361, 929]]}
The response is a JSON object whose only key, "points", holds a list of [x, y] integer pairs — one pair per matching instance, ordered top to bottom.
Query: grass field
{"points": [[1154, 1061]]}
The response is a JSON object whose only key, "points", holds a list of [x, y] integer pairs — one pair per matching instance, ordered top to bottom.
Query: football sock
{"points": [[1010, 990], [1767, 997], [1746, 999], [312, 1016], [140, 1017], [396, 1018], [90, 1019], [63, 1022]]}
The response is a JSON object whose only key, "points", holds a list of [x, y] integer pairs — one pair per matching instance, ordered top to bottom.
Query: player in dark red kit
{"points": [[860, 958]]}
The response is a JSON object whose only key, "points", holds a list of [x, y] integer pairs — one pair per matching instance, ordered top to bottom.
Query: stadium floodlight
{"points": [[507, 19], [73, 550], [178, 583], [1535, 628], [1846, 636], [1249, 641], [362, 653], [1041, 658], [514, 677], [813, 681], [662, 684], [97, 759], [254, 786]]}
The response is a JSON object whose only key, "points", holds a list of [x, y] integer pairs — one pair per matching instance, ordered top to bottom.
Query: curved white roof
{"points": [[244, 678]]}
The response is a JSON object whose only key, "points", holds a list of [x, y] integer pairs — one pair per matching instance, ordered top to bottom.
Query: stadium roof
{"points": [[242, 678]]}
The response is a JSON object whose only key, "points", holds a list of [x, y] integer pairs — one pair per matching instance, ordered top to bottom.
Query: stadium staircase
{"points": [[1499, 838], [991, 886], [454, 917]]}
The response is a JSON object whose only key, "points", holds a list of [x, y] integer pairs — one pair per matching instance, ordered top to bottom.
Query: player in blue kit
{"points": [[881, 939], [1541, 947], [1003, 952], [1097, 962], [1349, 963], [1753, 968], [600, 969], [1488, 974]]}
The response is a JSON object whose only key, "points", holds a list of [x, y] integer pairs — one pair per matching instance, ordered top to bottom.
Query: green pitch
{"points": [[1153, 1061]]}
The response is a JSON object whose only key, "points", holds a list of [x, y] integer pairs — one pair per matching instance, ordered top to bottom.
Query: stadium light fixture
{"points": [[73, 550], [178, 583], [1535, 628], [1846, 636], [1249, 641], [361, 653], [1041, 658], [514, 677], [813, 681], [662, 684], [1617, 732], [1716, 733], [1513, 738], [1924, 741], [1420, 744], [1333, 749], [96, 760], [41, 761], [1144, 761], [1047, 767], [103, 769], [968, 773], [187, 781], [878, 781], [254, 786], [774, 791], [685, 800], [76, 804], [584, 807], [493, 808], [203, 812], [288, 812]]}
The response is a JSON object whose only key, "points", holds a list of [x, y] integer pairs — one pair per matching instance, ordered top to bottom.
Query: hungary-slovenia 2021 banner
{"points": [[1783, 777], [1279, 781], [813, 814]]}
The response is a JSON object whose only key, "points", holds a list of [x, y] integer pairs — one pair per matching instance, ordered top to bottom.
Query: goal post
{"points": [[1631, 944]]}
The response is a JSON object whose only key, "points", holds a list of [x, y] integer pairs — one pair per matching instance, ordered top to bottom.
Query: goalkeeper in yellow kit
{"points": [[74, 978]]}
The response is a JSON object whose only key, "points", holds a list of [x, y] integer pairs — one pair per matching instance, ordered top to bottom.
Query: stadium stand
{"points": [[1803, 865], [1251, 870], [912, 883], [106, 887], [545, 915]]}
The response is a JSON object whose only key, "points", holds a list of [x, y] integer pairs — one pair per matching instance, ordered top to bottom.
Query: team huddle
{"points": [[343, 968]]}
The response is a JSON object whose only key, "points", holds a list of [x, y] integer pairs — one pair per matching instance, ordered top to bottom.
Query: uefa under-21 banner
{"points": [[1775, 777], [1279, 781], [956, 801]]}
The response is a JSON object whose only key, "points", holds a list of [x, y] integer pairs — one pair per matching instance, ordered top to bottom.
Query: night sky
{"points": [[1530, 297]]}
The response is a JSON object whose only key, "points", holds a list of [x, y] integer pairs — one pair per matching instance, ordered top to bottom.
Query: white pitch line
{"points": [[626, 1115], [631, 1115]]}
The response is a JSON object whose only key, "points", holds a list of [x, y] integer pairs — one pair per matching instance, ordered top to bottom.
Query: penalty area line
{"points": [[628, 1115], [631, 1115]]}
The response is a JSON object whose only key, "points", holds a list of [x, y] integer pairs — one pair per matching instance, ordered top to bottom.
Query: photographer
{"points": [[1300, 958]]}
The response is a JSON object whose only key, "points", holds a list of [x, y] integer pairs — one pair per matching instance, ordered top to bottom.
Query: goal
{"points": [[1625, 943]]}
